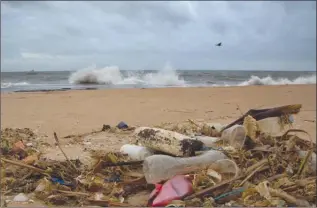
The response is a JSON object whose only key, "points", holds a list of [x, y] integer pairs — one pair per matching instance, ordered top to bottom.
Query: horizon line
{"points": [[266, 70]]}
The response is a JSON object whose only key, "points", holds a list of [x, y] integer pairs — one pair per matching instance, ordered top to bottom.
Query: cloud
{"points": [[61, 35]]}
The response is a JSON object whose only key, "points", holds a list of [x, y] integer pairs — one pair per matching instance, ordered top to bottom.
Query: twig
{"points": [[238, 108], [193, 122], [59, 146], [138, 162], [303, 163], [23, 165], [256, 165], [252, 173], [26, 176], [272, 178], [209, 189], [72, 193], [288, 198]]}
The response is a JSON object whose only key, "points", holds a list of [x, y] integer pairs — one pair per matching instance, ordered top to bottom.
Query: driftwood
{"points": [[267, 113]]}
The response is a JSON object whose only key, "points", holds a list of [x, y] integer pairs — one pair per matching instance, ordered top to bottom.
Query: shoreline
{"points": [[142, 88], [81, 111]]}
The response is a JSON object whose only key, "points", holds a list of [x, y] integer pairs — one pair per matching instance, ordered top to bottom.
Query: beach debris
{"points": [[267, 113], [122, 125], [105, 127], [235, 136], [166, 141], [213, 142], [136, 152], [258, 160], [157, 168], [173, 189], [21, 197]]}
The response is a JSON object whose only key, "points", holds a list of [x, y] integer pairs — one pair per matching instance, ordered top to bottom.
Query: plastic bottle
{"points": [[273, 125], [235, 136], [208, 141], [136, 152], [157, 168]]}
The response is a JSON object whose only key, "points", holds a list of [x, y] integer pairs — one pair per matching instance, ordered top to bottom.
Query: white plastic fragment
{"points": [[21, 197]]}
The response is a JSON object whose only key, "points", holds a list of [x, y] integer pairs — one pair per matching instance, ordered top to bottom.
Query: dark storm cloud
{"points": [[63, 35]]}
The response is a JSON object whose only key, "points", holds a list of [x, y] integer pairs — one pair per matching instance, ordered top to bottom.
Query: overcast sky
{"points": [[146, 35]]}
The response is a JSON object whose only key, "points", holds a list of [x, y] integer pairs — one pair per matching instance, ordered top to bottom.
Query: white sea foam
{"points": [[112, 75], [255, 80], [10, 84]]}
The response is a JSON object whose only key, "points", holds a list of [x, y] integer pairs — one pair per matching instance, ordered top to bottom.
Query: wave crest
{"points": [[112, 75], [255, 80], [10, 84]]}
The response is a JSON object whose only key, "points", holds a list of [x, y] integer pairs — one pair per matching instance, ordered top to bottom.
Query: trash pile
{"points": [[257, 160]]}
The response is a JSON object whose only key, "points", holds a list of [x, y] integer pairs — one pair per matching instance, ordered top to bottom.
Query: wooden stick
{"points": [[193, 122], [59, 146], [138, 162], [303, 163], [24, 165], [256, 165], [252, 173], [272, 178], [72, 193], [288, 198]]}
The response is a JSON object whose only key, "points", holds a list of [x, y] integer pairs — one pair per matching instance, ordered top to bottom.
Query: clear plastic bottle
{"points": [[273, 126], [234, 135], [136, 152], [157, 168]]}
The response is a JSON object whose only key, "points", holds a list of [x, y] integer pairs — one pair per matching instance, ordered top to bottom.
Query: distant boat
{"points": [[32, 72]]}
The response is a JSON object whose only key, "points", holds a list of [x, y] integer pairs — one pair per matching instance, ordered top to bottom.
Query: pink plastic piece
{"points": [[173, 189]]}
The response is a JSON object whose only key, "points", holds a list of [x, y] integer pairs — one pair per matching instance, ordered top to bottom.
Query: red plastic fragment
{"points": [[173, 189]]}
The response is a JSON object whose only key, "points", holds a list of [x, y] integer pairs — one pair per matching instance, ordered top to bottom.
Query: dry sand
{"points": [[72, 112]]}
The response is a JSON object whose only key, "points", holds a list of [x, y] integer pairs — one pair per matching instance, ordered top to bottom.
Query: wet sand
{"points": [[72, 112]]}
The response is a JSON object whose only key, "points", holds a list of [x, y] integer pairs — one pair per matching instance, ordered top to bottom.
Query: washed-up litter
{"points": [[122, 125], [257, 160]]}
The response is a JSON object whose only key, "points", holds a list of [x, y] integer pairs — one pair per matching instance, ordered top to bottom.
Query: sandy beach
{"points": [[72, 112]]}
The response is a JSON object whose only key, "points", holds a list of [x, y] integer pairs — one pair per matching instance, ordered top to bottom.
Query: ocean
{"points": [[112, 77]]}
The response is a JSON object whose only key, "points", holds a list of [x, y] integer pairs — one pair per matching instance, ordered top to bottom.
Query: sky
{"points": [[49, 35]]}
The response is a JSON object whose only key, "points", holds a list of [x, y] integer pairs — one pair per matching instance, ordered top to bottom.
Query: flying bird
{"points": [[219, 44]]}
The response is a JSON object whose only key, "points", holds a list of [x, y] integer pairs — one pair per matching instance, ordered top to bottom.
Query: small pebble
{"points": [[20, 198]]}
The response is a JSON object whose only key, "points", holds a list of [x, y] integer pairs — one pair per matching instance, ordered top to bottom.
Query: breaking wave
{"points": [[112, 75], [255, 80], [10, 84]]}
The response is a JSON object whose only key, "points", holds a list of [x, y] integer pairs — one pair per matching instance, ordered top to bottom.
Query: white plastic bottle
{"points": [[235, 136], [208, 141], [136, 152], [157, 168]]}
